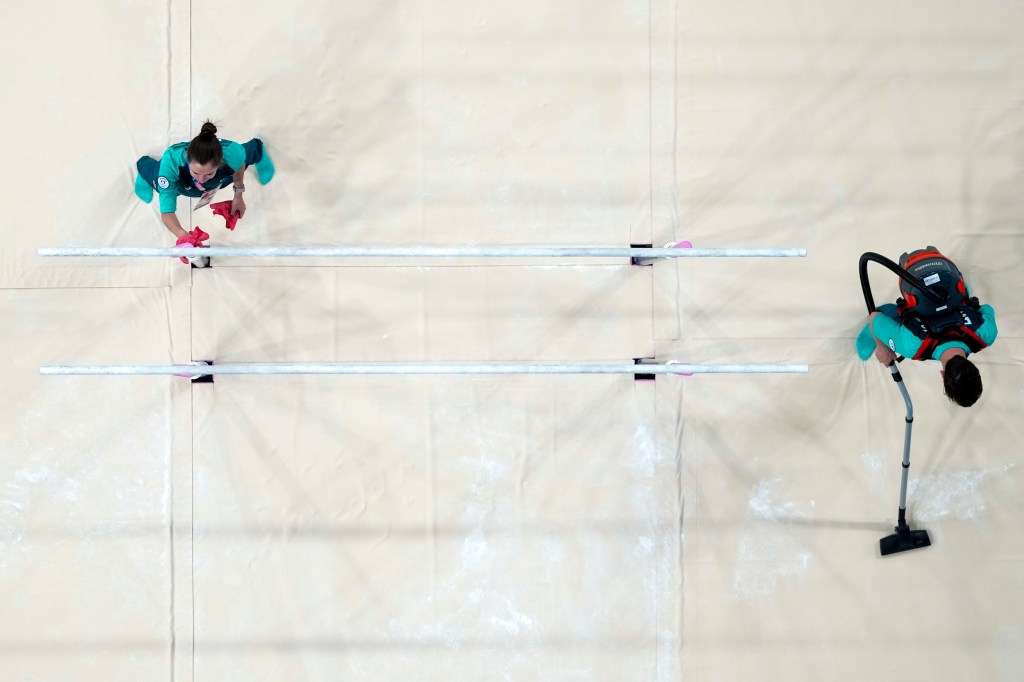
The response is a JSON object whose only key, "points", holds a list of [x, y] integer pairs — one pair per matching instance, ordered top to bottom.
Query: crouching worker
{"points": [[198, 169], [919, 328]]}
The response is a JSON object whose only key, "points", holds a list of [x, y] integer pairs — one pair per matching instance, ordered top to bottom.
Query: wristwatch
{"points": [[239, 189]]}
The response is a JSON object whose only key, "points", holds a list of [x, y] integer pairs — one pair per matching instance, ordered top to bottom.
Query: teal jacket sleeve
{"points": [[234, 154], [166, 184], [988, 330], [895, 336]]}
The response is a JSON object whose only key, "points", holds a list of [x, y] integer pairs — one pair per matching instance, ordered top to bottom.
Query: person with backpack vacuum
{"points": [[936, 318], [947, 325]]}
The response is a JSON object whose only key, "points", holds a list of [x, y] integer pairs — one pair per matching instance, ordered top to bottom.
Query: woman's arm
{"points": [[238, 185], [170, 221], [883, 353]]}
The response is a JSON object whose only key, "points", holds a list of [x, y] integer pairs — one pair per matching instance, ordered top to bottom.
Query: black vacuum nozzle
{"points": [[904, 540]]}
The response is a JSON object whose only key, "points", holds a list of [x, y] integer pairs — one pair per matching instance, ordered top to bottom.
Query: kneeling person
{"points": [[198, 169]]}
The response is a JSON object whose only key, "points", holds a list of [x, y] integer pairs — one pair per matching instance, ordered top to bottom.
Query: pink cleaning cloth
{"points": [[223, 208], [193, 239]]}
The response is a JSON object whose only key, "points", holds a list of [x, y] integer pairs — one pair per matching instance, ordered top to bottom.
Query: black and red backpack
{"points": [[955, 318]]}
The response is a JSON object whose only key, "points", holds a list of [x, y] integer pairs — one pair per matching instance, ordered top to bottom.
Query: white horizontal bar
{"points": [[421, 252], [402, 368]]}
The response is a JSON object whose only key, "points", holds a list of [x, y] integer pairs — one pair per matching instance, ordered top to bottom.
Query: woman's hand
{"points": [[238, 205], [885, 355]]}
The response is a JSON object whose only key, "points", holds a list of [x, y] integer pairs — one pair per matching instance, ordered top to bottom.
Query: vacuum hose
{"points": [[865, 285]]}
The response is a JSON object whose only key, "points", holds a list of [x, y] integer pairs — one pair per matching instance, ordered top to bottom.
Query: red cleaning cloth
{"points": [[223, 208], [194, 239]]}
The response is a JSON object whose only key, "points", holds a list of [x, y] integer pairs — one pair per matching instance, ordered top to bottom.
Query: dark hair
{"points": [[205, 147], [962, 381]]}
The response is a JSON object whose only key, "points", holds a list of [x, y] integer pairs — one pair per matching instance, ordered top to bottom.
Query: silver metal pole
{"points": [[417, 252], [404, 368], [909, 424], [904, 539]]}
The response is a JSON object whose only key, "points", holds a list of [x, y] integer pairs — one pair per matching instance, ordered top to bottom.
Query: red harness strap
{"points": [[963, 334]]}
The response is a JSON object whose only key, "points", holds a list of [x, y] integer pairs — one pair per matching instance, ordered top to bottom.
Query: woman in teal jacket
{"points": [[198, 169]]}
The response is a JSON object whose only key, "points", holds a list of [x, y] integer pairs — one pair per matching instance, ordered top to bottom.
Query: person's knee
{"points": [[253, 151], [148, 167], [889, 310], [871, 322]]}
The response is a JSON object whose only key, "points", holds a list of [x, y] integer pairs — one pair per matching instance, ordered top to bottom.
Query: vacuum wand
{"points": [[903, 539]]}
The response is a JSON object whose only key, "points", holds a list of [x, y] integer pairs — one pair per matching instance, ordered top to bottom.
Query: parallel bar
{"points": [[419, 252], [400, 368]]}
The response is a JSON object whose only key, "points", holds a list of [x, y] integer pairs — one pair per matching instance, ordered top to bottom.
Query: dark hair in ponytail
{"points": [[205, 147]]}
